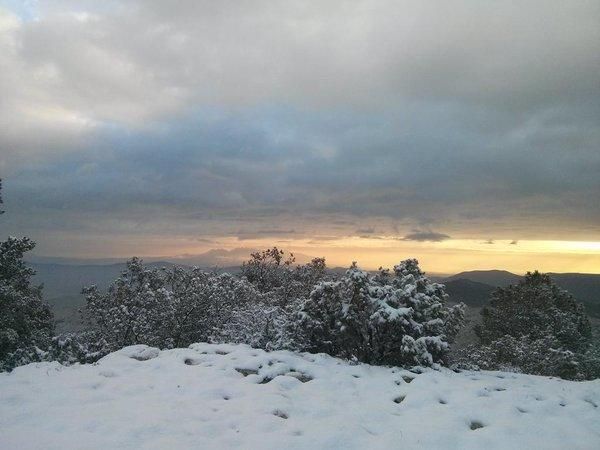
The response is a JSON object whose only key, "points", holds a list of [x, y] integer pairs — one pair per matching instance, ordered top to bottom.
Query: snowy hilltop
{"points": [[235, 396]]}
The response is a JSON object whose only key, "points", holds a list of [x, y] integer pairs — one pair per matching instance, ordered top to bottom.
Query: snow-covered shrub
{"points": [[268, 269], [276, 275], [203, 303], [164, 308], [536, 308], [136, 309], [398, 319], [271, 320], [26, 323], [262, 324], [534, 327], [83, 347], [508, 353], [589, 362]]}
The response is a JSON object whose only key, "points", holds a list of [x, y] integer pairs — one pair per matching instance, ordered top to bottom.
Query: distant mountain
{"points": [[501, 278], [62, 279], [63, 284], [585, 287], [470, 292]]}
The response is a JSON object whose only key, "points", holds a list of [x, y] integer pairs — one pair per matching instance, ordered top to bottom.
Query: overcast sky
{"points": [[174, 128]]}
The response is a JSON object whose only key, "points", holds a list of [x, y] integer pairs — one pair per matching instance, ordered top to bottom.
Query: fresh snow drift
{"points": [[235, 396]]}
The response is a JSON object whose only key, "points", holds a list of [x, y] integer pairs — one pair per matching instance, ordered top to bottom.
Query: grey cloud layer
{"points": [[157, 116], [424, 236]]}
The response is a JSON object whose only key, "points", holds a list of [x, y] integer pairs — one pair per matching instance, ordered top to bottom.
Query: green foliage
{"points": [[267, 269], [276, 275], [164, 308], [536, 308], [133, 309], [381, 319], [26, 323], [535, 327]]}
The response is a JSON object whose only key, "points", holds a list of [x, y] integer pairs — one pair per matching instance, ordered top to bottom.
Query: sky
{"points": [[463, 133]]}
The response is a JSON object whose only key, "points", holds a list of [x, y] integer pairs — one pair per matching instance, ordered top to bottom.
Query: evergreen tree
{"points": [[268, 269], [275, 275], [204, 303], [164, 308], [536, 308], [135, 309], [381, 319], [26, 322], [534, 327]]}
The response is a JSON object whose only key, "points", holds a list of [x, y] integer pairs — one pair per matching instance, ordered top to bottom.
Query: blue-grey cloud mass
{"points": [[249, 118]]}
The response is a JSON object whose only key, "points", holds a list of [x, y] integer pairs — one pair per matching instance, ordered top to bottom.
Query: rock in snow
{"points": [[233, 396]]}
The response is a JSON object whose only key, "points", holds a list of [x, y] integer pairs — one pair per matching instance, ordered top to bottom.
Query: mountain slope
{"points": [[500, 278], [64, 279], [583, 286], [470, 292]]}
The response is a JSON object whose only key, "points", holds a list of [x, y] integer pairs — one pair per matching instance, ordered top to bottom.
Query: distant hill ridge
{"points": [[498, 278], [63, 284], [585, 287]]}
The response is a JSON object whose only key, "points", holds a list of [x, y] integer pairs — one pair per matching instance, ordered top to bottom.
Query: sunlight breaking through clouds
{"points": [[255, 119]]}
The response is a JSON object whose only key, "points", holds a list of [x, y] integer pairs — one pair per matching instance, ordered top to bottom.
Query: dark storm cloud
{"points": [[215, 117], [426, 236]]}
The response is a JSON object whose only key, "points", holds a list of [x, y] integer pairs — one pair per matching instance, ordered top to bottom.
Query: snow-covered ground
{"points": [[233, 396]]}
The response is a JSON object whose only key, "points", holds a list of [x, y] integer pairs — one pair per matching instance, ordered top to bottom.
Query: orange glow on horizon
{"points": [[446, 257]]}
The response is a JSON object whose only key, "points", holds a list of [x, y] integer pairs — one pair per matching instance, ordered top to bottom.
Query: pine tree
{"points": [[204, 303], [536, 308], [136, 309], [381, 319], [26, 322], [535, 327]]}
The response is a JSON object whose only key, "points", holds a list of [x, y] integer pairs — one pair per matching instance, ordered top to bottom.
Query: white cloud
{"points": [[130, 62], [460, 111]]}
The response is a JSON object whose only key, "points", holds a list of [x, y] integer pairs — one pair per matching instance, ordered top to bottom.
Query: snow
{"points": [[234, 396]]}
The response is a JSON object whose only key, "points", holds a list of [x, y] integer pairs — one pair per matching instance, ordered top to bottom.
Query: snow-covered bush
{"points": [[268, 269], [276, 275], [203, 303], [164, 308], [536, 308], [136, 309], [398, 319], [271, 320], [26, 323], [262, 324], [534, 327], [82, 347], [534, 356], [589, 362]]}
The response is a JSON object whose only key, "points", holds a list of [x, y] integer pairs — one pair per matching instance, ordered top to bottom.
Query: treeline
{"points": [[393, 317]]}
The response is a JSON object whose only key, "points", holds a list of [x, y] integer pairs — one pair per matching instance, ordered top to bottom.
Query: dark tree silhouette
{"points": [[26, 322]]}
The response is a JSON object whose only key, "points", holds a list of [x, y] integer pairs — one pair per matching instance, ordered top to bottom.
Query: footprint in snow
{"points": [[399, 399], [280, 414], [475, 425]]}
